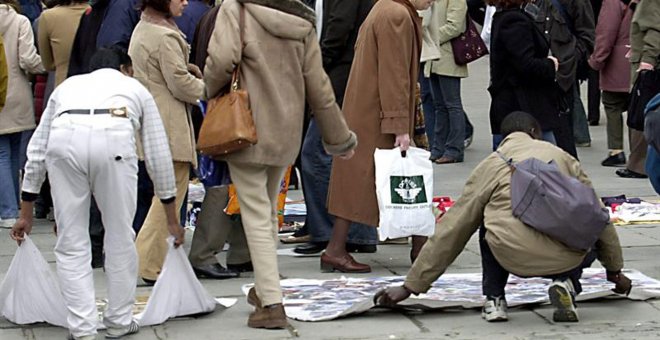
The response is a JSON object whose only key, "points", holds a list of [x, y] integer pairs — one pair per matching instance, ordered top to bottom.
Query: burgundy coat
{"points": [[612, 38]]}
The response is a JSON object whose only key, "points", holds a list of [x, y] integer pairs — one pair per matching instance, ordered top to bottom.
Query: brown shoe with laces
{"points": [[269, 317]]}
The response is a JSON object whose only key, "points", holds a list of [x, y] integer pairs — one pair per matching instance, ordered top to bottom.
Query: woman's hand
{"points": [[645, 67], [192, 68], [402, 141]]}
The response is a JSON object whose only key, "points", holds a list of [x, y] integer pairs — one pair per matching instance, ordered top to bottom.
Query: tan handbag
{"points": [[228, 125]]}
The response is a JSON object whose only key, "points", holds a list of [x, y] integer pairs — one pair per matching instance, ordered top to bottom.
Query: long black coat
{"points": [[339, 30], [522, 77]]}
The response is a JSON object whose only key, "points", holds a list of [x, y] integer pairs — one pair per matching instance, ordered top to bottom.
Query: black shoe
{"points": [[615, 160], [625, 173], [310, 248], [360, 248], [241, 267], [214, 271], [148, 282]]}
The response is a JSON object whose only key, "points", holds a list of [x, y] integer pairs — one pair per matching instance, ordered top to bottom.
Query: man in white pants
{"points": [[86, 142]]}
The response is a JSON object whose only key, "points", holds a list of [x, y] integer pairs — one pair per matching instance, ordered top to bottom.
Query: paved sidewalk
{"points": [[606, 319]]}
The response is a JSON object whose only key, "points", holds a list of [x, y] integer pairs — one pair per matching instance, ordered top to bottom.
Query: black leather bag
{"points": [[646, 87]]}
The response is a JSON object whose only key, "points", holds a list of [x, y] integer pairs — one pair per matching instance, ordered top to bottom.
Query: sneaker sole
{"points": [[561, 299], [495, 318]]}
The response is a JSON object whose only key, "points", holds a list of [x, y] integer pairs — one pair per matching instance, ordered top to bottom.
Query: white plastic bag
{"points": [[404, 188], [30, 291], [177, 291]]}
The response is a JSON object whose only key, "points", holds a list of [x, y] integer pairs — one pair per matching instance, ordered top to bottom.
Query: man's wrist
{"points": [[410, 291]]}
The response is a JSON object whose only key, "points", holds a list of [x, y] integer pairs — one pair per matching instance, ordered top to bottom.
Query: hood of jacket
{"points": [[8, 15], [287, 19]]}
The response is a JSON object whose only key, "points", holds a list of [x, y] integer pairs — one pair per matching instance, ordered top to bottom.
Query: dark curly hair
{"points": [[507, 3], [159, 5]]}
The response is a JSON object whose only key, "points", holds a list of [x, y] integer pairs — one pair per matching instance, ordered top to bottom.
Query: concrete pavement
{"points": [[619, 319]]}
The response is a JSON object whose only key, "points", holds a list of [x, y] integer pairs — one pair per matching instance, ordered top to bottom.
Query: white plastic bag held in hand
{"points": [[404, 188], [30, 291], [177, 291]]}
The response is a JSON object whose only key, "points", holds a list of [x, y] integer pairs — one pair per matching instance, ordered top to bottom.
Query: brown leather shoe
{"points": [[345, 264], [253, 298], [269, 317]]}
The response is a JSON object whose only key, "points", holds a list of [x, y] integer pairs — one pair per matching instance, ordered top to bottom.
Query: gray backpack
{"points": [[557, 205]]}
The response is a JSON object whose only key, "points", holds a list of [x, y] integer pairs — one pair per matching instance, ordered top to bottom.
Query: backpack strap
{"points": [[508, 162]]}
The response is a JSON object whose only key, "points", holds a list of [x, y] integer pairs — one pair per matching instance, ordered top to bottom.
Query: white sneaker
{"points": [[8, 223], [561, 293], [495, 310], [116, 333]]}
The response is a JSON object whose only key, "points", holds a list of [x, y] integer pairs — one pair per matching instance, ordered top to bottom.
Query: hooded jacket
{"points": [[21, 57], [281, 67]]}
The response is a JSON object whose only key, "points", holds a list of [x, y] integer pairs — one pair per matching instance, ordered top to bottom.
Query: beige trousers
{"points": [[257, 187], [214, 227], [151, 241]]}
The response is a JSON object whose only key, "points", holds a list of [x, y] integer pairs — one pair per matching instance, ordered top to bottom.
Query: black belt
{"points": [[120, 112]]}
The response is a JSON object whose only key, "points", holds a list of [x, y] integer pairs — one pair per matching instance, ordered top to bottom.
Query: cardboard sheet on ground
{"points": [[322, 300]]}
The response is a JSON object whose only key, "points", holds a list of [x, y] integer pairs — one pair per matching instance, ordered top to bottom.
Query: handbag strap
{"points": [[235, 84]]}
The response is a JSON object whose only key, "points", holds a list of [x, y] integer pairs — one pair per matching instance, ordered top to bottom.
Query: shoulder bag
{"points": [[228, 126]]}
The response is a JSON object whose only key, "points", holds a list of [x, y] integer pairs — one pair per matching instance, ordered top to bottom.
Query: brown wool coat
{"points": [[57, 30], [160, 59], [281, 68], [378, 104]]}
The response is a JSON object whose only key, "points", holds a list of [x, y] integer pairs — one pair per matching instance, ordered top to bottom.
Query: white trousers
{"points": [[96, 155]]}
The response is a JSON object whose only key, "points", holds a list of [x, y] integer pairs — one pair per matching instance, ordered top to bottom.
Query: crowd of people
{"points": [[100, 116]]}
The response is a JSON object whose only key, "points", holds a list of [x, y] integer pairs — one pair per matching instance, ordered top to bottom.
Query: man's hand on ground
{"points": [[623, 285], [391, 296]]}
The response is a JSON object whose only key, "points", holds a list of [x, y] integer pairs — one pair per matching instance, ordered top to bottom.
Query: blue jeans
{"points": [[427, 105], [449, 117], [547, 136], [10, 146], [653, 168], [315, 172]]}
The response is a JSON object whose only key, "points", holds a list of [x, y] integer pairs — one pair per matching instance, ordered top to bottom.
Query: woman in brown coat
{"points": [[160, 61], [379, 107]]}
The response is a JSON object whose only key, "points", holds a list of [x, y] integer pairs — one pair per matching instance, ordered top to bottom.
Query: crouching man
{"points": [[87, 142], [507, 244]]}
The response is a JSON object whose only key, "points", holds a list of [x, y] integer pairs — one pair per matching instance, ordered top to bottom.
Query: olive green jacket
{"points": [[645, 35], [486, 200]]}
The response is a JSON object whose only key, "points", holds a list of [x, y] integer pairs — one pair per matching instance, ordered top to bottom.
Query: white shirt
{"points": [[318, 8], [103, 89]]}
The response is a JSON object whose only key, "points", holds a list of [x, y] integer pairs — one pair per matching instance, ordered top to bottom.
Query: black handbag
{"points": [[646, 87]]}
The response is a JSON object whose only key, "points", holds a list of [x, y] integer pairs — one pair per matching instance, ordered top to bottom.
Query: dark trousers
{"points": [[593, 97], [564, 133], [145, 194], [495, 277]]}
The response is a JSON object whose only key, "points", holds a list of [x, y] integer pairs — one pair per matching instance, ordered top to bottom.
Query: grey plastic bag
{"points": [[555, 204]]}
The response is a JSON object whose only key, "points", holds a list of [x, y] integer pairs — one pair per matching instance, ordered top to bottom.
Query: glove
{"points": [[623, 285]]}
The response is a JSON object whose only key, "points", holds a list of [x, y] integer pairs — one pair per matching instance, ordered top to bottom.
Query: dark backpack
{"points": [[554, 204]]}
